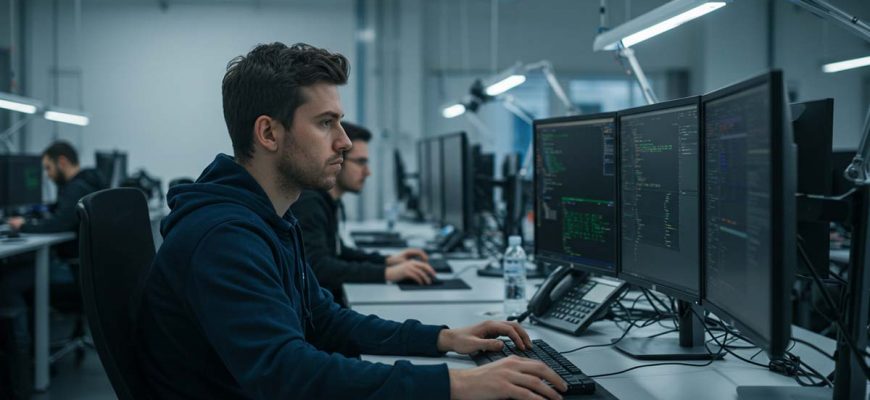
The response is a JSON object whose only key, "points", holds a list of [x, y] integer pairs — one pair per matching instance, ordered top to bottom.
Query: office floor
{"points": [[71, 382], [76, 382]]}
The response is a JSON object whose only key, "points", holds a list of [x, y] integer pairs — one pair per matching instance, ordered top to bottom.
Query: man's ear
{"points": [[266, 134]]}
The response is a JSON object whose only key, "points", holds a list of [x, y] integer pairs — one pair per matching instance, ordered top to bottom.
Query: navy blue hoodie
{"points": [[230, 310]]}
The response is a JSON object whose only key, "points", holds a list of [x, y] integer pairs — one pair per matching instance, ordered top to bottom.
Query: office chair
{"points": [[116, 250], [67, 299]]}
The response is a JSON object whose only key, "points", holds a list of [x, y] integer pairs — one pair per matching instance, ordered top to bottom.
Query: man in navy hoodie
{"points": [[231, 310]]}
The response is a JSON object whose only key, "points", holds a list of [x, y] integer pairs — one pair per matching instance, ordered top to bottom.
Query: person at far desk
{"points": [[61, 164], [319, 212], [230, 308]]}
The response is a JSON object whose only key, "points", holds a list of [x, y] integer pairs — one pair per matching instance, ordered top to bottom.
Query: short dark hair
{"points": [[268, 81], [355, 132], [61, 148]]}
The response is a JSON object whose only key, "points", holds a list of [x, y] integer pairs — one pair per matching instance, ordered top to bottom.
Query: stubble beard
{"points": [[302, 175]]}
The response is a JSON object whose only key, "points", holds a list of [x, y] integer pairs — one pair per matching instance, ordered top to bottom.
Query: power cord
{"points": [[631, 324], [814, 347], [860, 355], [717, 356], [788, 366]]}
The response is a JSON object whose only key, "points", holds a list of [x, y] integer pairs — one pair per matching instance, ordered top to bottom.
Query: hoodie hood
{"points": [[223, 181]]}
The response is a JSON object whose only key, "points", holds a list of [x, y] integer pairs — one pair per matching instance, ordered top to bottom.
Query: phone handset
{"points": [[551, 290]]}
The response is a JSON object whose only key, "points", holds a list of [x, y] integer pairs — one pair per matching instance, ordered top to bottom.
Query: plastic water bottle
{"points": [[391, 211], [514, 277]]}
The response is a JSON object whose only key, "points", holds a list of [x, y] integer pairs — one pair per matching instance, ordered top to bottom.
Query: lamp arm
{"points": [[823, 9], [627, 54], [550, 74], [16, 126], [857, 172]]}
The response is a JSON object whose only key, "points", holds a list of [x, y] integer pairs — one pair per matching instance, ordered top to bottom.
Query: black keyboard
{"points": [[578, 382]]}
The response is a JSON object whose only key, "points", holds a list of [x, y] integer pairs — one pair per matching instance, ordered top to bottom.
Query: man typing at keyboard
{"points": [[319, 213], [230, 308]]}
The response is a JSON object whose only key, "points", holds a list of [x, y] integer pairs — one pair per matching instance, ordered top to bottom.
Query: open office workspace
{"points": [[453, 199]]}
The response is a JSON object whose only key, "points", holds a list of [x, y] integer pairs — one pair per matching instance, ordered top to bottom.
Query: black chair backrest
{"points": [[115, 250]]}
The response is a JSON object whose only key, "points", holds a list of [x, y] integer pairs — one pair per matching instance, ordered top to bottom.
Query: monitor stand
{"points": [[689, 346], [784, 393]]}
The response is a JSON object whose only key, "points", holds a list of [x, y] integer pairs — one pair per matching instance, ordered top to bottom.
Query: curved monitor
{"points": [[423, 171], [457, 181], [575, 192], [660, 197], [749, 209]]}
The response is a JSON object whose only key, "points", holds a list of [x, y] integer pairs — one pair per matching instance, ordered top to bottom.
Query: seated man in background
{"points": [[61, 164], [319, 212], [230, 308]]}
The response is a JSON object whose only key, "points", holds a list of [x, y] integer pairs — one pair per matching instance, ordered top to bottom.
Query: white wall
{"points": [[805, 42], [734, 44], [735, 47], [151, 78], [394, 97]]}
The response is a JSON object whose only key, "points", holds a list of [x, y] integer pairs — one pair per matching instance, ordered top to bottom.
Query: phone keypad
{"points": [[571, 307]]}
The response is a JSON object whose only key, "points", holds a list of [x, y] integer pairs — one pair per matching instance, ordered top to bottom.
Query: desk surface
{"points": [[417, 234], [32, 242], [483, 289], [716, 381]]}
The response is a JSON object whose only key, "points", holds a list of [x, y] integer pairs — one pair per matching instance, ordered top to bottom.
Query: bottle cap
{"points": [[515, 240]]}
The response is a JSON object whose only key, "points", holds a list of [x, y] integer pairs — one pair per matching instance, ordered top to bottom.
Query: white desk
{"points": [[40, 244], [483, 289], [716, 381]]}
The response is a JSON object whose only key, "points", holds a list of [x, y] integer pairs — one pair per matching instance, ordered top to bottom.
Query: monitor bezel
{"points": [[467, 174], [424, 203], [782, 205], [556, 262], [639, 279]]}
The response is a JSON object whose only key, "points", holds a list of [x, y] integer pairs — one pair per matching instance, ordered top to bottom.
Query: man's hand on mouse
{"points": [[15, 223], [406, 255], [417, 271]]}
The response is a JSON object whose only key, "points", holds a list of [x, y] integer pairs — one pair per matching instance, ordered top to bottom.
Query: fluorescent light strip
{"points": [[671, 23], [844, 65], [505, 84], [16, 106], [453, 111], [67, 118]]}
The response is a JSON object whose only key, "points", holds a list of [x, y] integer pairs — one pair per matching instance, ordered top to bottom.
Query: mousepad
{"points": [[446, 284]]}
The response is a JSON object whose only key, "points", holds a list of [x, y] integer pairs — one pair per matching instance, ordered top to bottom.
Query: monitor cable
{"points": [[860, 355]]}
